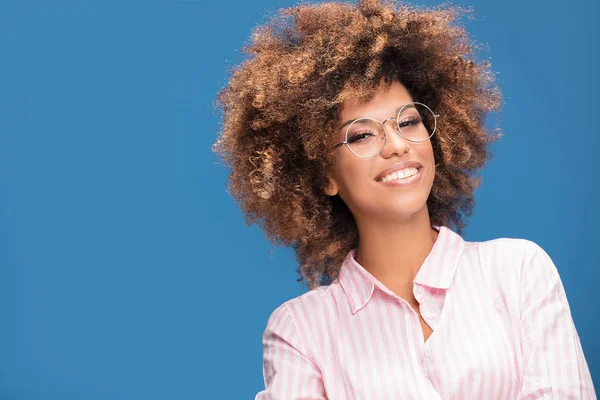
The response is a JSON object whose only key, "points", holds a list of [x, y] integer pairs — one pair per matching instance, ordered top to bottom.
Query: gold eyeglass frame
{"points": [[398, 130]]}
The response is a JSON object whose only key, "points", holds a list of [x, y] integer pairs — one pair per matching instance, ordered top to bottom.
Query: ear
{"points": [[332, 188]]}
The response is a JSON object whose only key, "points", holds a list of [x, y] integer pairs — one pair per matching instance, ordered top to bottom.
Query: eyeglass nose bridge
{"points": [[390, 119], [396, 127]]}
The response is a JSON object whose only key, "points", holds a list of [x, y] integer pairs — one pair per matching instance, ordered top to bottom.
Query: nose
{"points": [[394, 142]]}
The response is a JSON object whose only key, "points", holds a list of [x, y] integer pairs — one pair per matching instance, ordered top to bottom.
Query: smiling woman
{"points": [[354, 132]]}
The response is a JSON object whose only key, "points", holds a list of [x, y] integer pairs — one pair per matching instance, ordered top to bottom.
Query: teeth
{"points": [[402, 174]]}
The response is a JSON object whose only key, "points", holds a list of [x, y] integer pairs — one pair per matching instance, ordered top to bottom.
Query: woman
{"points": [[353, 133]]}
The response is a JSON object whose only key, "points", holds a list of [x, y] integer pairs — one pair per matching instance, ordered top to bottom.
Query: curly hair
{"points": [[282, 103]]}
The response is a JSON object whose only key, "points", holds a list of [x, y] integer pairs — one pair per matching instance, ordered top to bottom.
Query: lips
{"points": [[397, 167]]}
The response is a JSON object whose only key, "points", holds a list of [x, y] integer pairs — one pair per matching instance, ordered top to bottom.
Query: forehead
{"points": [[384, 103]]}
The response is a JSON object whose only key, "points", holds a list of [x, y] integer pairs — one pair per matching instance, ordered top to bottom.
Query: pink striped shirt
{"points": [[502, 329]]}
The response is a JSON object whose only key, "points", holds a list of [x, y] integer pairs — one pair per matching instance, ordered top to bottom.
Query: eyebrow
{"points": [[352, 120]]}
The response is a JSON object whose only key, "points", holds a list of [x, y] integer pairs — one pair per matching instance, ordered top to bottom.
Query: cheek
{"points": [[427, 155], [353, 179]]}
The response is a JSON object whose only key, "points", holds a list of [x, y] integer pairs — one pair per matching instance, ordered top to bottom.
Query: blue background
{"points": [[126, 270]]}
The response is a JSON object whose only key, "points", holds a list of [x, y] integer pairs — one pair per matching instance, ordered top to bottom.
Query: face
{"points": [[357, 180]]}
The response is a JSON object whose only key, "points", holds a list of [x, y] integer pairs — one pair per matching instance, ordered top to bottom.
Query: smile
{"points": [[402, 174], [403, 177]]}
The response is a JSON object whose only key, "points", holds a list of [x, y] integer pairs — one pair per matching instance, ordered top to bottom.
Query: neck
{"points": [[393, 251]]}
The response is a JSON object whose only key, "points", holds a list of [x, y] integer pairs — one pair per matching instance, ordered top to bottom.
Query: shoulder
{"points": [[503, 252], [505, 264], [523, 269], [305, 303], [311, 312]]}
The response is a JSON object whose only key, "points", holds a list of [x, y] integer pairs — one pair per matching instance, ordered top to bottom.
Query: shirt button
{"points": [[419, 294], [429, 314], [428, 353]]}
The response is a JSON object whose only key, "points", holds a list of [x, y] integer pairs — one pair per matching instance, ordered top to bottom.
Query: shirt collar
{"points": [[437, 270]]}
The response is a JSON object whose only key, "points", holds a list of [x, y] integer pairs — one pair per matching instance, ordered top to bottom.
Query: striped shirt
{"points": [[502, 329]]}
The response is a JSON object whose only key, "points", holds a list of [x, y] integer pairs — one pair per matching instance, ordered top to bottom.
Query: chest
{"points": [[389, 350]]}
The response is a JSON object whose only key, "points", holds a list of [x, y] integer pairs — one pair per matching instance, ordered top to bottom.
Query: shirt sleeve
{"points": [[553, 359], [288, 369]]}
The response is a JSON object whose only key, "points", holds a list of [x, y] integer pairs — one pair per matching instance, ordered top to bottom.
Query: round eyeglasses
{"points": [[366, 136]]}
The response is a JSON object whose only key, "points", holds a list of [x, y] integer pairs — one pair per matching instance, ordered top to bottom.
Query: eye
{"points": [[409, 122], [359, 136]]}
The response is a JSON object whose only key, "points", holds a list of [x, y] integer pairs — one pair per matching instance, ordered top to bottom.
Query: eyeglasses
{"points": [[366, 136]]}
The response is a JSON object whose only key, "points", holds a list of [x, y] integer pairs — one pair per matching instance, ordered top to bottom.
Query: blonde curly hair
{"points": [[282, 103]]}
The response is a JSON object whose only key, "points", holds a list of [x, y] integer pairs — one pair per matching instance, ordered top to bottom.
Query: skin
{"points": [[395, 233]]}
